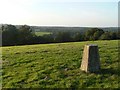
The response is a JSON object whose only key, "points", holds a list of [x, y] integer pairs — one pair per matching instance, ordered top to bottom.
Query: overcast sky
{"points": [[82, 13]]}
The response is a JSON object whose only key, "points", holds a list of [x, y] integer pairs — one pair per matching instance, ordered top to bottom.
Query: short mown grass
{"points": [[58, 66]]}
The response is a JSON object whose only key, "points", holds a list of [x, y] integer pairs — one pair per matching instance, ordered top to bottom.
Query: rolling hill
{"points": [[58, 66]]}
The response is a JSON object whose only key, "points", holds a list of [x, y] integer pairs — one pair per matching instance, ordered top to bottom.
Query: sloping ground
{"points": [[58, 66]]}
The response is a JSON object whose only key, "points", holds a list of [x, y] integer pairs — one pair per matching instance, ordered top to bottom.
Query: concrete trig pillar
{"points": [[91, 59]]}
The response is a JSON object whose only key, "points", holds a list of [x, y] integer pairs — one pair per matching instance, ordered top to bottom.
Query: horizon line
{"points": [[57, 25]]}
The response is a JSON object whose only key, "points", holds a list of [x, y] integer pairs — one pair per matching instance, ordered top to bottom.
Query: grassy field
{"points": [[42, 33], [58, 66]]}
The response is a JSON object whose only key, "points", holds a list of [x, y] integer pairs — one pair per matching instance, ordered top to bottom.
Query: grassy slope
{"points": [[42, 33], [57, 65]]}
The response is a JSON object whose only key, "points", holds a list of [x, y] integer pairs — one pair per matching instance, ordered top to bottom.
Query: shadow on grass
{"points": [[108, 71]]}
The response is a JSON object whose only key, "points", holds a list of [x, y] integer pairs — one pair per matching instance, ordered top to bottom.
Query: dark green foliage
{"points": [[93, 34], [97, 34], [118, 34], [9, 35], [26, 35], [113, 35], [13, 36], [105, 36], [62, 37], [78, 37], [47, 38]]}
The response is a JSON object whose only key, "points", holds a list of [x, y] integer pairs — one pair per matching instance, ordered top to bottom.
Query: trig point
{"points": [[90, 60]]}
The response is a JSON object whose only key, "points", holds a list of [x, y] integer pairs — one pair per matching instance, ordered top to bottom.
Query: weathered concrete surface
{"points": [[91, 59]]}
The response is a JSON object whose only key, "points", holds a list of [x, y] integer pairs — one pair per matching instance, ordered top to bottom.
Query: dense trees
{"points": [[93, 34], [9, 35], [25, 35], [13, 36], [62, 37], [78, 37]]}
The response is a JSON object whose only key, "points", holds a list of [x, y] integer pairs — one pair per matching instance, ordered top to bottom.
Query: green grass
{"points": [[42, 33], [58, 66]]}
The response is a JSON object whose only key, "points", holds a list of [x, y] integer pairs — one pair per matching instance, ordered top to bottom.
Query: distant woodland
{"points": [[25, 35]]}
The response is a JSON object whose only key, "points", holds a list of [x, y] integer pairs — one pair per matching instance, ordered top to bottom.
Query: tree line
{"points": [[25, 35]]}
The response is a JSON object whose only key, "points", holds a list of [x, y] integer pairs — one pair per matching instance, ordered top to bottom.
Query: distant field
{"points": [[42, 33], [58, 66]]}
